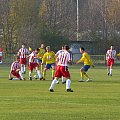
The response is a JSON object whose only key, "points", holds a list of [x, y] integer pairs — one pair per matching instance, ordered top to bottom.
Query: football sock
{"points": [[41, 68], [22, 69], [110, 71], [53, 72], [39, 74], [44, 74], [21, 75], [82, 75], [86, 75], [63, 79], [68, 82], [53, 83]]}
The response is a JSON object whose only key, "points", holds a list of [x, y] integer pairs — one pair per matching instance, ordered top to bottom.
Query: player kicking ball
{"points": [[33, 64], [15, 70], [62, 70]]}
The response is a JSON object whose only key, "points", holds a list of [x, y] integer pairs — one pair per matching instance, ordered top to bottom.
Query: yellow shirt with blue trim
{"points": [[41, 53], [49, 57], [86, 59]]}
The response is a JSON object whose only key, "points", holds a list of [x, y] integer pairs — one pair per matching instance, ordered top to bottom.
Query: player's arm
{"points": [[44, 58], [81, 60]]}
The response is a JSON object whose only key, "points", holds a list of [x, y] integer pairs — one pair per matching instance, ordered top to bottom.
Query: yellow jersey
{"points": [[41, 53], [49, 57], [86, 59]]}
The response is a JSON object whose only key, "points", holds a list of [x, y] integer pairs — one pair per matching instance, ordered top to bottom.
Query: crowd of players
{"points": [[57, 62]]}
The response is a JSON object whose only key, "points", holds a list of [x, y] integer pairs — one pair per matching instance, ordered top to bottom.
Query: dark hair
{"points": [[23, 44], [66, 47], [82, 48], [37, 49], [17, 57]]}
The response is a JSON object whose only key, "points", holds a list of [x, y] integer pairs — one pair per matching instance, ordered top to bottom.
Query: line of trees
{"points": [[53, 22]]}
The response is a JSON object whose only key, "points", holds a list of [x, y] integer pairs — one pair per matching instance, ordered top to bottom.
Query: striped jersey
{"points": [[23, 52], [58, 52], [110, 54], [32, 57], [64, 58], [15, 65]]}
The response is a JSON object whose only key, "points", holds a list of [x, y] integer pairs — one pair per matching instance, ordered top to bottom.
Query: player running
{"points": [[23, 53], [56, 55], [40, 56], [110, 57], [49, 59], [87, 63], [33, 64], [62, 69], [15, 70]]}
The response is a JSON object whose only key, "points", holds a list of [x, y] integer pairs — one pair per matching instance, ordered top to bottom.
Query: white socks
{"points": [[22, 69], [110, 71], [39, 74], [21, 75], [63, 79], [68, 82], [53, 83]]}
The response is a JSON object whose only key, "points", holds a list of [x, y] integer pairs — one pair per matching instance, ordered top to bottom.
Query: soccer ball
{"points": [[36, 76]]}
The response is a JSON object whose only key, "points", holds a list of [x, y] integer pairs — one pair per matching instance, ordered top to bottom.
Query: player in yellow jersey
{"points": [[40, 56], [49, 59], [87, 63]]}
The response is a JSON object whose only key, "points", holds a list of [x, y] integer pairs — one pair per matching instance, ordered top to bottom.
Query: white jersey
{"points": [[23, 52], [58, 52], [110, 54], [32, 57], [64, 58], [15, 65]]}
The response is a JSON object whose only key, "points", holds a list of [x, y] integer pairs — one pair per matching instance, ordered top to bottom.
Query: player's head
{"points": [[23, 45], [42, 45], [66, 47], [48, 48], [82, 49], [37, 50], [17, 58]]}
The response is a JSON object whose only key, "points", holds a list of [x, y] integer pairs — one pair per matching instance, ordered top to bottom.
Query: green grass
{"points": [[31, 100]]}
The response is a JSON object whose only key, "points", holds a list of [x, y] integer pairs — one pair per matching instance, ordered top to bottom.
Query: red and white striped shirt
{"points": [[23, 52], [110, 54], [32, 57], [64, 58], [15, 65]]}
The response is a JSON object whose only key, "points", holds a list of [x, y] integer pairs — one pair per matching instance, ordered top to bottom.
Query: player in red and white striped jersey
{"points": [[59, 52], [23, 53], [56, 55], [110, 57], [33, 64], [62, 69], [15, 70]]}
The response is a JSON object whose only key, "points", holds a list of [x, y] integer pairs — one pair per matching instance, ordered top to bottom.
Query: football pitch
{"points": [[31, 100]]}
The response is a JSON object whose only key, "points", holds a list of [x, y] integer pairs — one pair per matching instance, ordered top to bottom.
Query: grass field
{"points": [[31, 100]]}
